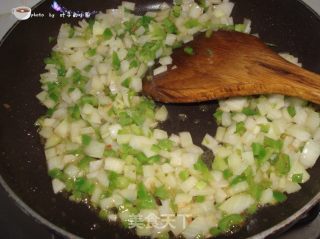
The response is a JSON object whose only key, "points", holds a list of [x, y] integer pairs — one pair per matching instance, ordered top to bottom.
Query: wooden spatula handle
{"points": [[282, 77]]}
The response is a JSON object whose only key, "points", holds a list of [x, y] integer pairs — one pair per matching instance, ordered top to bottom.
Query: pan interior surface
{"points": [[287, 24]]}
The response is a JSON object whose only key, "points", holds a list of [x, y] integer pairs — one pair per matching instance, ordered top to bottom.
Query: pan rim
{"points": [[19, 203], [25, 208]]}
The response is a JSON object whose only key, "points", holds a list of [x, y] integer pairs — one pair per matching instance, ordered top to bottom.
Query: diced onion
{"points": [[95, 149], [310, 153], [114, 164], [57, 185], [237, 204]]}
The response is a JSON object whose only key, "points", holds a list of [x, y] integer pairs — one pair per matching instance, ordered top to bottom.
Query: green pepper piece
{"points": [[228, 221]]}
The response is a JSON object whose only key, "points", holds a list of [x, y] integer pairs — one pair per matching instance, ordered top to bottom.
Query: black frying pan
{"points": [[288, 24]]}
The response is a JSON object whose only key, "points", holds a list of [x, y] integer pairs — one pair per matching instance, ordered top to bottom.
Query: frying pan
{"points": [[289, 24]]}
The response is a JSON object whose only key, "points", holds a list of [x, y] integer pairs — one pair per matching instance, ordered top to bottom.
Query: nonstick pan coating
{"points": [[288, 24]]}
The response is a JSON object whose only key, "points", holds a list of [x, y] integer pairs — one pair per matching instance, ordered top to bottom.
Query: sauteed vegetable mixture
{"points": [[103, 144]]}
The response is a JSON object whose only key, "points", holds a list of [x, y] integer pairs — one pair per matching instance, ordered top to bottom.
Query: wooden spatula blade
{"points": [[230, 64]]}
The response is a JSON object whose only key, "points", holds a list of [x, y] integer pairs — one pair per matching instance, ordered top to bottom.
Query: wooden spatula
{"points": [[230, 64]]}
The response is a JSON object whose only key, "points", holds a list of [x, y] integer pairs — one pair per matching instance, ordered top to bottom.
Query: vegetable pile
{"points": [[102, 143]]}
